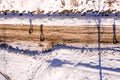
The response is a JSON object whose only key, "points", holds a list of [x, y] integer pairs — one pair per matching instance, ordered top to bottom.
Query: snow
{"points": [[58, 5], [52, 8], [57, 20], [26, 61], [60, 63], [2, 77]]}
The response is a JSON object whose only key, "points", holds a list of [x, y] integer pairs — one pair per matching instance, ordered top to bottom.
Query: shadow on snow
{"points": [[54, 48], [58, 63], [97, 67]]}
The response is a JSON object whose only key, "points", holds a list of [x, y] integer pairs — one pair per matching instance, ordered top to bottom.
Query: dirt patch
{"points": [[58, 34]]}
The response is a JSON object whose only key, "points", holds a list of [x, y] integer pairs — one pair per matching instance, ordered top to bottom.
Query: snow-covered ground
{"points": [[56, 6], [52, 8], [57, 20], [28, 61], [59, 63]]}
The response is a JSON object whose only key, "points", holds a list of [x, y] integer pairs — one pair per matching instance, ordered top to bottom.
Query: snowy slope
{"points": [[58, 6], [61, 63]]}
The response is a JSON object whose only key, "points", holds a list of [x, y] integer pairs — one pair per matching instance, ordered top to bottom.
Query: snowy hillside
{"points": [[60, 6]]}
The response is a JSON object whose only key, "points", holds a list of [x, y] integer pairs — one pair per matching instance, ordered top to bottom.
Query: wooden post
{"points": [[31, 26], [41, 33], [114, 34]]}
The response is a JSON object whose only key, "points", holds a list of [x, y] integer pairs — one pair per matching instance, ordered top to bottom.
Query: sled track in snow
{"points": [[6, 77]]}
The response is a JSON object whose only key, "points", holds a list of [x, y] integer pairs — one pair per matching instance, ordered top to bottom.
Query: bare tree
{"points": [[63, 2], [74, 3], [110, 4]]}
